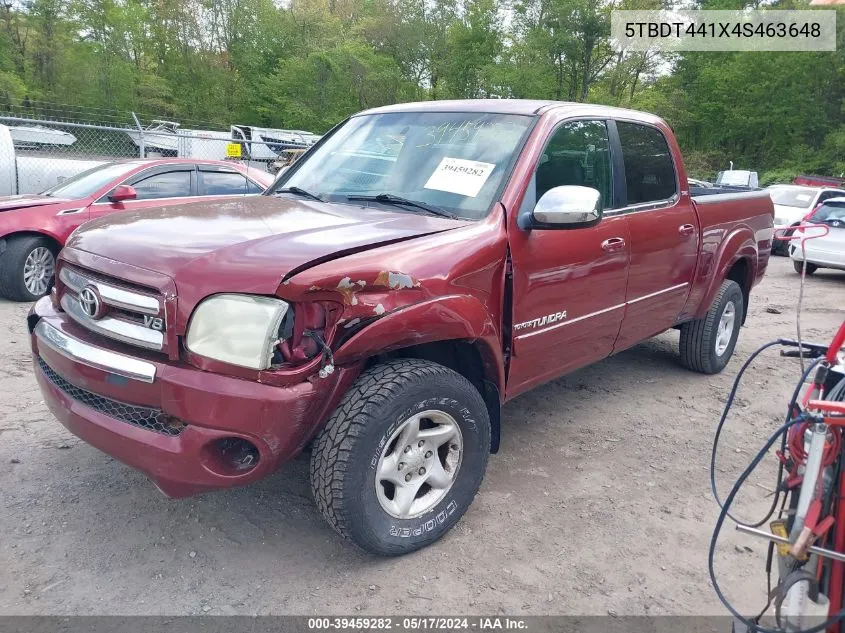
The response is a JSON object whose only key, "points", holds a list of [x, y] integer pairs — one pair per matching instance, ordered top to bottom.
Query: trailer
{"points": [[39, 136], [167, 139], [268, 144], [22, 173], [819, 181]]}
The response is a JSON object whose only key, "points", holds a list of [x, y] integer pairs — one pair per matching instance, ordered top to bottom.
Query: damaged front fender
{"points": [[370, 297], [456, 317]]}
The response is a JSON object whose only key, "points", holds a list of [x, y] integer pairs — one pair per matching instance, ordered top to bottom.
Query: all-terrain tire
{"points": [[12, 262], [698, 343], [346, 453]]}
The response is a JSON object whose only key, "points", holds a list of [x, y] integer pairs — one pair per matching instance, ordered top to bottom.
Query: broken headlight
{"points": [[238, 329]]}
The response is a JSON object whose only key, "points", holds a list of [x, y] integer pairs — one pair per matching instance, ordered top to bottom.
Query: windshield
{"points": [[450, 160], [88, 182], [800, 197], [830, 212]]}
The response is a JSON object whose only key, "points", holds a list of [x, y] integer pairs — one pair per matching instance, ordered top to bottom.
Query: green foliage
{"points": [[310, 63], [779, 175]]}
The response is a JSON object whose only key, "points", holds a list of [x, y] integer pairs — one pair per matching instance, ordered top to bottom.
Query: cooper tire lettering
{"points": [[347, 453]]}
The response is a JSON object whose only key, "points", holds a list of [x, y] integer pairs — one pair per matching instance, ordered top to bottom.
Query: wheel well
{"points": [[54, 242], [740, 272], [464, 357]]}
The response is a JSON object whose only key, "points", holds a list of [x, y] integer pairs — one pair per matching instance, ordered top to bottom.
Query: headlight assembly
{"points": [[237, 329]]}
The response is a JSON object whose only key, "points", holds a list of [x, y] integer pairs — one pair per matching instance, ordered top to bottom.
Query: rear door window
{"points": [[649, 170], [222, 183]]}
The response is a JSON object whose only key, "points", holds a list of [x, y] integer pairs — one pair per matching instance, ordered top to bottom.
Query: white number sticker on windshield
{"points": [[456, 175], [803, 197]]}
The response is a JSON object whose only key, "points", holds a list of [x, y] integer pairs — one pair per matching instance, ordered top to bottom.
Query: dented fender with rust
{"points": [[432, 288], [457, 317]]}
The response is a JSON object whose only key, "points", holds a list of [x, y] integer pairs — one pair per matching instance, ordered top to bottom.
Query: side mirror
{"points": [[123, 192], [568, 207]]}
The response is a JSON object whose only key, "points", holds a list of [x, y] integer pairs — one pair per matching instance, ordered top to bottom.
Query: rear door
{"points": [[158, 186], [664, 233], [568, 284]]}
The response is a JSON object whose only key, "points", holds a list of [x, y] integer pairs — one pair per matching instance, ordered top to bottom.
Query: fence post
{"points": [[141, 145]]}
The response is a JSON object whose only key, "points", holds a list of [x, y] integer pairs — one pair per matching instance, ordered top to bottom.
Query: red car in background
{"points": [[34, 227]]}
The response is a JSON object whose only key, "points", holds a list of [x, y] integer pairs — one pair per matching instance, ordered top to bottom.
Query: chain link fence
{"points": [[46, 152]]}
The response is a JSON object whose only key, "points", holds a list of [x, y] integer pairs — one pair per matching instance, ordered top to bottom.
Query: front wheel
{"points": [[781, 246], [27, 267], [811, 268], [707, 344], [402, 456]]}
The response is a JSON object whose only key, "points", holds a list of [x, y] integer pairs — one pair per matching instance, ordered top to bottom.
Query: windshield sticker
{"points": [[456, 175], [803, 197]]}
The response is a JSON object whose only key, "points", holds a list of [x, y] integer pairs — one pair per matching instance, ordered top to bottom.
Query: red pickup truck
{"points": [[418, 267]]}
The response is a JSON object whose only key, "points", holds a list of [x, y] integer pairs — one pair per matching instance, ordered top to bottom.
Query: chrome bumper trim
{"points": [[111, 295], [116, 329], [95, 357]]}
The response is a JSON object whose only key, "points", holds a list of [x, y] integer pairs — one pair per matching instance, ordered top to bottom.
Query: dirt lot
{"points": [[598, 502]]}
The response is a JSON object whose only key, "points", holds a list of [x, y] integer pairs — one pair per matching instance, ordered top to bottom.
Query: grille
{"points": [[129, 315], [142, 417]]}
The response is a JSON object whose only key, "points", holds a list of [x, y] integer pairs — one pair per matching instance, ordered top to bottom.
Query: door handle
{"points": [[686, 229], [612, 244]]}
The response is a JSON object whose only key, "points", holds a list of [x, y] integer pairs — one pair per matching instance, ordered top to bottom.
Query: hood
{"points": [[9, 203], [788, 215], [245, 244]]}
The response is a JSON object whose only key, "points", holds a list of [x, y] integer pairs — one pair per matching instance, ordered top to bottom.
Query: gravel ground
{"points": [[597, 503]]}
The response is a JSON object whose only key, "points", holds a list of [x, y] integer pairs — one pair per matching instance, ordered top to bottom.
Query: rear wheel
{"points": [[798, 265], [27, 267], [707, 344], [402, 456]]}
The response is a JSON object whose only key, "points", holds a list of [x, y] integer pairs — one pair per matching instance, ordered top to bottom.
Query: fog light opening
{"points": [[233, 456]]}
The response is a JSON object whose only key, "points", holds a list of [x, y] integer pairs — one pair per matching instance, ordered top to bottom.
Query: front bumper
{"points": [[813, 254], [167, 418]]}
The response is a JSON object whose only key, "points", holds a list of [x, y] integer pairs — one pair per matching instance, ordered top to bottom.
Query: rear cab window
{"points": [[650, 175]]}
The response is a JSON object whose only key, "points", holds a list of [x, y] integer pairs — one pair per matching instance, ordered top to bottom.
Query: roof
{"points": [[499, 106], [525, 107], [174, 160], [794, 186], [807, 187]]}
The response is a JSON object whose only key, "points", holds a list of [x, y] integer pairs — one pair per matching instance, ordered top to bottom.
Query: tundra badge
{"points": [[541, 321]]}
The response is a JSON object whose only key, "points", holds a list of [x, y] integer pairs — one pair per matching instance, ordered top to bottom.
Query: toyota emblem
{"points": [[89, 301]]}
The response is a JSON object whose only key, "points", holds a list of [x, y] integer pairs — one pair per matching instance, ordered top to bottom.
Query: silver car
{"points": [[793, 203], [827, 251]]}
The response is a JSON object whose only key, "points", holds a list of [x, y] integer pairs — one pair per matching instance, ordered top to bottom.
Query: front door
{"points": [[568, 284]]}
